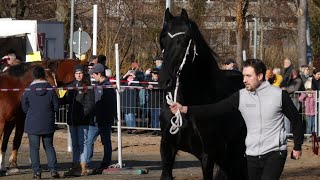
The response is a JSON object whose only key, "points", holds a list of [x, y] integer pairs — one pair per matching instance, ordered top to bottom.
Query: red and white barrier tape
{"points": [[138, 82], [57, 88], [71, 88]]}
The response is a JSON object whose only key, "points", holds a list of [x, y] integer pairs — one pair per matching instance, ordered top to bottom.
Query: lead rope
{"points": [[176, 120]]}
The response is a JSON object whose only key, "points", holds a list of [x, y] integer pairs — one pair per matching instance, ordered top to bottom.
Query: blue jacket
{"points": [[40, 107]]}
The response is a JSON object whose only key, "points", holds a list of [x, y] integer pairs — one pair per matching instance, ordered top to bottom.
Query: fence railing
{"points": [[140, 109]]}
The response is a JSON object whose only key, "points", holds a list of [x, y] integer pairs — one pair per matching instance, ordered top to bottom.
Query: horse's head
{"points": [[176, 44], [63, 70]]}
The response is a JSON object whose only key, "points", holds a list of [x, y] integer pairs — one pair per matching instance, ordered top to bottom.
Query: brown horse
{"points": [[59, 73]]}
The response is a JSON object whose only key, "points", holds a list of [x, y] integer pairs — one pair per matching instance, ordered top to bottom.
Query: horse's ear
{"points": [[184, 14], [168, 16], [83, 62]]}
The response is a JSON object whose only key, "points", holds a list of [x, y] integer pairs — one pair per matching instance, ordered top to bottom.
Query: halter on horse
{"points": [[191, 73]]}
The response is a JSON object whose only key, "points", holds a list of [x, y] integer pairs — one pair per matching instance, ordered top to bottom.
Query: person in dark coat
{"points": [[287, 72], [316, 80], [295, 84], [129, 100], [155, 100], [40, 107], [80, 111], [105, 111]]}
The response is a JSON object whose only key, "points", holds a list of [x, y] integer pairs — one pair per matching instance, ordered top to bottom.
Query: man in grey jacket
{"points": [[263, 108]]}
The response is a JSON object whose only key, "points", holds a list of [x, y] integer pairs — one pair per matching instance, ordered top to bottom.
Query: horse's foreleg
{"points": [[168, 152], [207, 167]]}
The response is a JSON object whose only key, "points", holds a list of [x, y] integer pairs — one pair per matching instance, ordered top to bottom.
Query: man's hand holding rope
{"points": [[175, 106]]}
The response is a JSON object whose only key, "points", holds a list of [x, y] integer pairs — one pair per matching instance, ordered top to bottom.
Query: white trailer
{"points": [[30, 36]]}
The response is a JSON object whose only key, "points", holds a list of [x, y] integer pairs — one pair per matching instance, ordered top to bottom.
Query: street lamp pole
{"points": [[168, 4], [71, 30], [255, 37]]}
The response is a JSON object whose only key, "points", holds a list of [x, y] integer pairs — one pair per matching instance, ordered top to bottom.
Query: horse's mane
{"points": [[197, 36], [201, 42], [53, 64], [19, 69]]}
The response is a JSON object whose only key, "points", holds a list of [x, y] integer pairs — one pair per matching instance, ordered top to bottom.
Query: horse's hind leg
{"points": [[8, 128], [6, 136], [16, 142], [168, 153], [2, 155]]}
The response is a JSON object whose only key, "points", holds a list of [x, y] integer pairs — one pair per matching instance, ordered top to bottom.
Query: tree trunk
{"points": [[62, 10], [241, 10], [62, 15], [302, 26]]}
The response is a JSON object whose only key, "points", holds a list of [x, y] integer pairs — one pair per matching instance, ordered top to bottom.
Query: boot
{"points": [[83, 169], [75, 170], [37, 176]]}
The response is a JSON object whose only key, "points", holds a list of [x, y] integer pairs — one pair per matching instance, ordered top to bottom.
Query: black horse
{"points": [[217, 143]]}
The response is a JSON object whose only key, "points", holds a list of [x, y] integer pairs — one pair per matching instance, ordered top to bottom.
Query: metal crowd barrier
{"points": [[142, 106], [61, 115]]}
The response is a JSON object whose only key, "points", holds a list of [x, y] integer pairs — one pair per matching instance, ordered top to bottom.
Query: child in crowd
{"points": [[309, 103]]}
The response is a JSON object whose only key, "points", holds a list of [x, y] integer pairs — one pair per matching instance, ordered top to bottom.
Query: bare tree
{"points": [[316, 2], [241, 10], [302, 26], [315, 26]]}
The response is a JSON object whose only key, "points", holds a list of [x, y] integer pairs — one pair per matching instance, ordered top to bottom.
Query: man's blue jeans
{"points": [[155, 117], [130, 119], [310, 124], [105, 134], [79, 136], [92, 137], [47, 142]]}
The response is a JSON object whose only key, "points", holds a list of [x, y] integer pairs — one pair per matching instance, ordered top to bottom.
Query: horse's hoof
{"points": [[13, 171], [3, 172]]}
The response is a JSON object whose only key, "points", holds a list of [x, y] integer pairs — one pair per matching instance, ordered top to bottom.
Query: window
{"points": [[229, 19]]}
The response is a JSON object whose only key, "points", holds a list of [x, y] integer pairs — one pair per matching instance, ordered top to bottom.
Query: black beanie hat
{"points": [[77, 68], [39, 73]]}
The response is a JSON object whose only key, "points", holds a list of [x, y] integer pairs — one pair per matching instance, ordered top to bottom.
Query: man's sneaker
{"points": [[55, 174], [36, 176]]}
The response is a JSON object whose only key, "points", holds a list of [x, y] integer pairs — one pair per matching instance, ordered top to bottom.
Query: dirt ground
{"points": [[142, 152]]}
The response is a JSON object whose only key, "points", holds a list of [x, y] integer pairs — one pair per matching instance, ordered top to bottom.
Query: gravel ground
{"points": [[142, 152]]}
